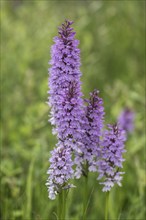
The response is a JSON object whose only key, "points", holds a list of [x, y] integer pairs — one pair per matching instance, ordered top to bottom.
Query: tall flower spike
{"points": [[65, 87], [66, 107], [94, 115], [126, 120], [111, 157]]}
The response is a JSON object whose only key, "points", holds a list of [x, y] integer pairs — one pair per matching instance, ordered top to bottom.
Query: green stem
{"points": [[85, 201], [62, 205], [107, 206]]}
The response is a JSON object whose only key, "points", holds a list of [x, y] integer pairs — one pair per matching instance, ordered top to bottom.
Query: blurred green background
{"points": [[111, 35]]}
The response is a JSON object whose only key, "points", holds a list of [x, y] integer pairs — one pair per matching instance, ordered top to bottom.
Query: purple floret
{"points": [[93, 118], [126, 120], [111, 157]]}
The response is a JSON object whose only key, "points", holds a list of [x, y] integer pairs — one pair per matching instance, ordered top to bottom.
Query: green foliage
{"points": [[111, 35]]}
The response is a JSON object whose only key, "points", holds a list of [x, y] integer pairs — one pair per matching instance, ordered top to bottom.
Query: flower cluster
{"points": [[65, 87], [66, 107], [126, 120], [93, 125], [78, 127], [111, 157], [60, 171]]}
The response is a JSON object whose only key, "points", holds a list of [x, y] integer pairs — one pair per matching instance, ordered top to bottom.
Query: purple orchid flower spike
{"points": [[65, 87], [66, 107], [93, 118], [126, 120], [111, 157]]}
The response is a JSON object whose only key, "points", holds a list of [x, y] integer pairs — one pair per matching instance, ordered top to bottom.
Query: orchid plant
{"points": [[83, 143]]}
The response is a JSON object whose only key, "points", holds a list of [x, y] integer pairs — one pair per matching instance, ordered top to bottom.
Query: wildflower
{"points": [[65, 87], [66, 107], [94, 113], [126, 120], [111, 157]]}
